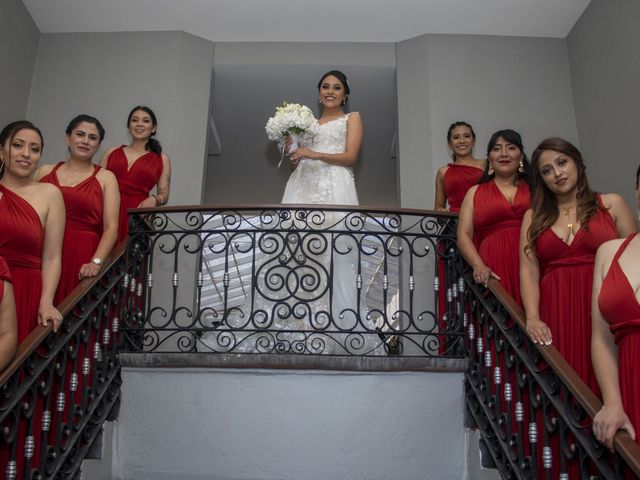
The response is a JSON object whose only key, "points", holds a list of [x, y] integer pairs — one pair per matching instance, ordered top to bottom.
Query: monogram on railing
{"points": [[297, 280]]}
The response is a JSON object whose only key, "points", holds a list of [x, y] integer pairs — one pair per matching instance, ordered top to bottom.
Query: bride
{"points": [[322, 172]]}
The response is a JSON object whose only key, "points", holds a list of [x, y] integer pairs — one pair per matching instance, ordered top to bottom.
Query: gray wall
{"points": [[18, 49], [605, 70], [106, 74], [252, 79], [491, 82], [265, 424]]}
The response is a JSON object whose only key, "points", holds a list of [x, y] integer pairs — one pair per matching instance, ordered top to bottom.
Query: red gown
{"points": [[457, 180], [134, 183], [83, 228], [496, 230], [21, 243], [5, 276], [566, 282], [619, 305]]}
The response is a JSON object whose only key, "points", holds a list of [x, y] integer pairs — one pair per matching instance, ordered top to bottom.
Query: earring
{"points": [[320, 100], [344, 101], [521, 167], [1, 168], [490, 171]]}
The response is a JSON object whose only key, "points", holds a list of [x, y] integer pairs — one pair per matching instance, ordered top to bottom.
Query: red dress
{"points": [[457, 180], [134, 183], [83, 227], [496, 231], [21, 243], [5, 276], [566, 282], [619, 305]]}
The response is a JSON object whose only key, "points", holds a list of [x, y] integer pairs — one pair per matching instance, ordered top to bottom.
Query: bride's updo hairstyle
{"points": [[340, 76], [152, 145]]}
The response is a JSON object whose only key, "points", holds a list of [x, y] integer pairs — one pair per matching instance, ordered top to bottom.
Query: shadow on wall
{"points": [[244, 170]]}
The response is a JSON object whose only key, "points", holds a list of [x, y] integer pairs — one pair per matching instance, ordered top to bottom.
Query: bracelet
{"points": [[159, 200]]}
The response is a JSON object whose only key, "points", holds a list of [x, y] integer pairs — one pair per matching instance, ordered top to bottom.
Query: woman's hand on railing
{"points": [[88, 270], [482, 274], [48, 313], [539, 331], [608, 421]]}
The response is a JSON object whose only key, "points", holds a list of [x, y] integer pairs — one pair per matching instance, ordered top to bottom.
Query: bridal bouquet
{"points": [[295, 121]]}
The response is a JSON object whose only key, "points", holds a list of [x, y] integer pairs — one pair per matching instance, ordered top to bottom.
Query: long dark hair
{"points": [[88, 119], [10, 131], [450, 132], [514, 138], [152, 144], [545, 204]]}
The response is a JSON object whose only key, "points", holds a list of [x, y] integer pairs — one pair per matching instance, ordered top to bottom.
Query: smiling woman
{"points": [[139, 167], [91, 200], [32, 219]]}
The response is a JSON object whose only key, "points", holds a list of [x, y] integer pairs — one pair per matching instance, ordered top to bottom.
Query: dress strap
{"points": [[96, 169], [622, 248]]}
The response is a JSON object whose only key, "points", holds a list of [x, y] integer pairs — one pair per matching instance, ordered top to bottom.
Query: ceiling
{"points": [[311, 21]]}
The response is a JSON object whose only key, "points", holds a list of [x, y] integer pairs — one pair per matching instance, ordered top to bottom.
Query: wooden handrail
{"points": [[38, 334], [628, 449]]}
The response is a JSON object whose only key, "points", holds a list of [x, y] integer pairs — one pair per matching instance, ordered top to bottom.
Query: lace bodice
{"points": [[315, 181]]}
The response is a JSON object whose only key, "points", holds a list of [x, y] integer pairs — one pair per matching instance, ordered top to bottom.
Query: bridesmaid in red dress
{"points": [[139, 167], [454, 179], [452, 182], [91, 199], [491, 213], [32, 218], [558, 242], [8, 327], [615, 342]]}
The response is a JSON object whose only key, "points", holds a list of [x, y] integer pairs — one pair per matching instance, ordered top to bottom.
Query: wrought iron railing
{"points": [[297, 280], [60, 387], [533, 411]]}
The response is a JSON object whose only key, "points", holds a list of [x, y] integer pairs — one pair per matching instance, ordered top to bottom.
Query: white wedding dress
{"points": [[315, 181], [295, 307]]}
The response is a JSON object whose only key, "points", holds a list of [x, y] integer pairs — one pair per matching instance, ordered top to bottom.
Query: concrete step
{"points": [[99, 461]]}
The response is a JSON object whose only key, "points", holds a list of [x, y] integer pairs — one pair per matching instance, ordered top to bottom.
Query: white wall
{"points": [[19, 38], [605, 71], [106, 74], [491, 82], [268, 424]]}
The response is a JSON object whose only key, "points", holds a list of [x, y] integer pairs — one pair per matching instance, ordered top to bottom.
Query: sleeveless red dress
{"points": [[457, 180], [135, 183], [83, 228], [496, 230], [21, 243], [5, 275], [566, 282], [618, 304]]}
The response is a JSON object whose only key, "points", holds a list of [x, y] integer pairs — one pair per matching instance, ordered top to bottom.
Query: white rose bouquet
{"points": [[295, 121]]}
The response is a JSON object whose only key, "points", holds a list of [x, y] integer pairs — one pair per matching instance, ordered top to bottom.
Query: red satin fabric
{"points": [[457, 180], [135, 184], [83, 227], [496, 229], [21, 243], [5, 275], [566, 282], [618, 304]]}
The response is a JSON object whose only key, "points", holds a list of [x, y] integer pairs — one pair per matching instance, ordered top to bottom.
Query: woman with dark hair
{"points": [[139, 167], [322, 172], [455, 179], [91, 200], [491, 213], [32, 219], [558, 242], [8, 325]]}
